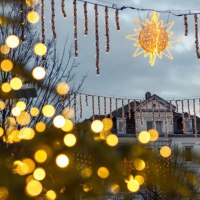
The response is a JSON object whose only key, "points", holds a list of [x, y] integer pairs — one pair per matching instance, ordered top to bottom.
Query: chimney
{"points": [[147, 95]]}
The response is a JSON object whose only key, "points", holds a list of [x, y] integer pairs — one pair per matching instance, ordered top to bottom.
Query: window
{"points": [[149, 125], [121, 126], [159, 126], [188, 153]]}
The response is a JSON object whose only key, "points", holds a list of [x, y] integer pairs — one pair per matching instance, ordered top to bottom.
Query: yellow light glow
{"points": [[31, 3], [33, 17], [153, 39], [12, 41], [4, 49], [40, 49], [6, 65], [38, 73], [16, 83], [5, 87], [62, 88], [2, 105], [21, 105], [16, 111], [48, 111], [34, 112], [68, 113], [24, 118], [10, 121], [59, 121], [107, 124], [68, 126], [97, 126], [40, 127], [1, 131], [26, 133], [153, 135], [15, 136], [144, 137], [70, 140], [112, 140], [165, 151], [40, 156], [62, 161], [30, 163], [139, 164], [86, 172], [103, 172], [39, 174], [139, 179], [133, 185], [34, 188], [115, 188], [4, 193], [51, 195]]}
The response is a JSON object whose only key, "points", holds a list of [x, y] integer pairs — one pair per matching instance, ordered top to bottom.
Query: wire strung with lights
{"points": [[63, 9], [53, 15], [85, 18], [117, 19], [22, 20], [42, 21], [186, 25], [75, 30], [107, 30], [196, 36], [97, 38]]}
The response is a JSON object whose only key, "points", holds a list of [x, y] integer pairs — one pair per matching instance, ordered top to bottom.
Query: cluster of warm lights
{"points": [[102, 130]]}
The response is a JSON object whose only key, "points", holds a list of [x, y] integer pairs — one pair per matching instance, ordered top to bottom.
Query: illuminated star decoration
{"points": [[152, 38]]}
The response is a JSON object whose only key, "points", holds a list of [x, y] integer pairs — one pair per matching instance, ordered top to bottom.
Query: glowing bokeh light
{"points": [[33, 17], [12, 41], [40, 49], [6, 65], [38, 73], [16, 83], [62, 88], [48, 111], [59, 121], [97, 126], [144, 137], [70, 140], [112, 140], [165, 151], [40, 156], [62, 161], [139, 164], [103, 172], [34, 188]]}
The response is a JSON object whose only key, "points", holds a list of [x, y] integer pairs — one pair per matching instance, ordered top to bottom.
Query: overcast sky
{"points": [[120, 73]]}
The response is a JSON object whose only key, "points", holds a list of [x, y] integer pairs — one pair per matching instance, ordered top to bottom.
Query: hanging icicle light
{"points": [[63, 9], [53, 18], [85, 18], [75, 30], [107, 30], [97, 38]]}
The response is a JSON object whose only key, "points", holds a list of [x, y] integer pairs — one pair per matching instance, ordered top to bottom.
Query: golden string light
{"points": [[63, 9], [85, 18], [117, 19], [22, 20], [42, 21], [186, 25], [53, 27], [75, 29], [107, 30], [196, 36], [97, 38], [153, 39], [86, 100], [116, 104], [188, 104], [99, 105], [105, 106], [81, 107], [111, 108], [75, 109], [129, 109], [158, 110], [123, 113], [153, 113], [171, 114], [183, 115], [93, 116], [135, 116], [165, 118], [195, 118], [141, 121]]}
